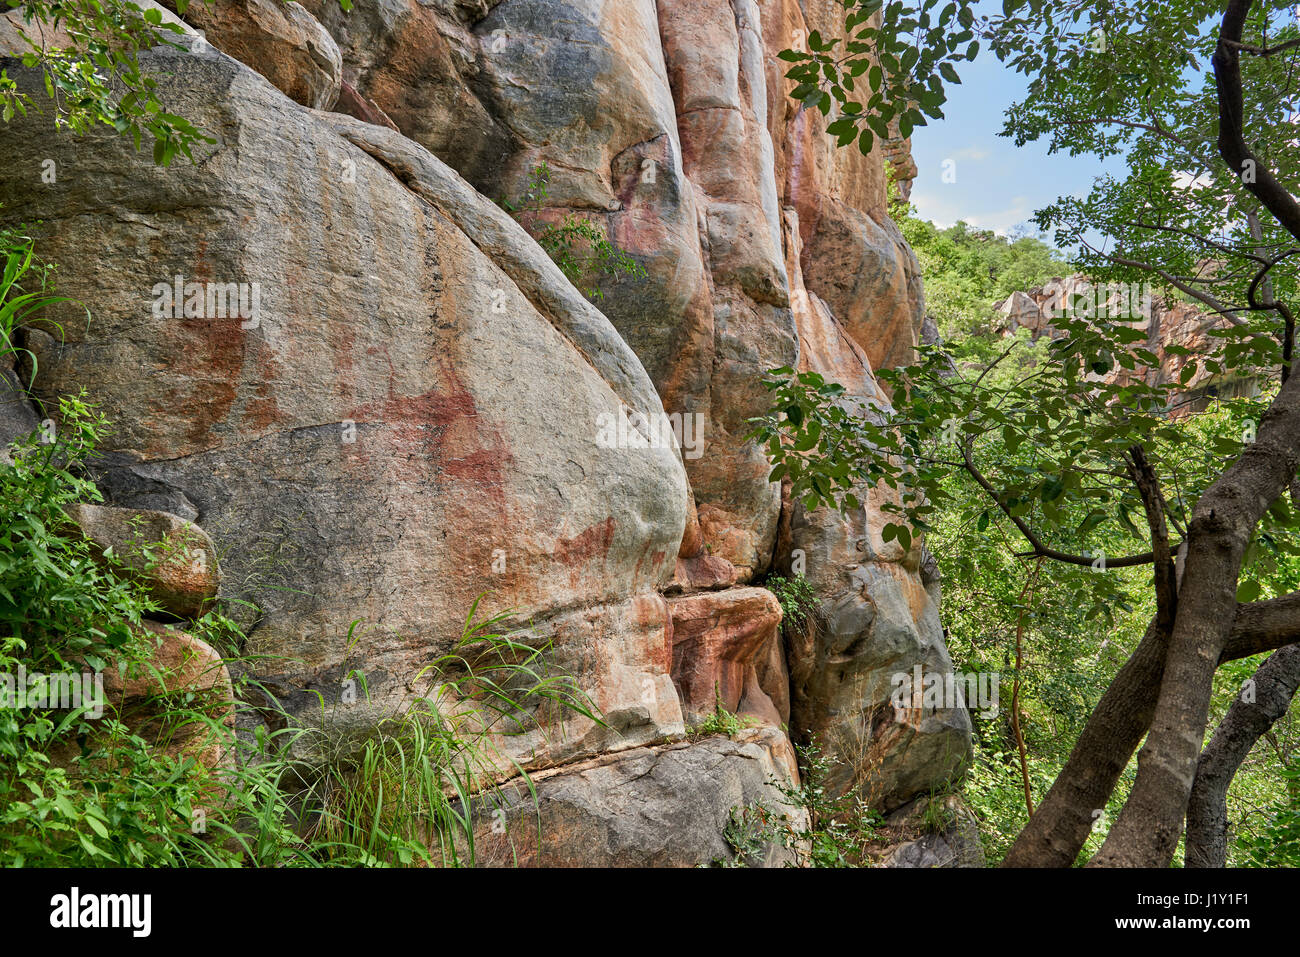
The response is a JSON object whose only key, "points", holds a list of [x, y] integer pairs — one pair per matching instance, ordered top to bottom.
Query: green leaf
{"points": [[808, 440]]}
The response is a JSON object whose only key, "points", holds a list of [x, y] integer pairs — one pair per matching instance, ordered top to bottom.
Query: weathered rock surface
{"points": [[281, 40], [17, 417], [406, 417], [406, 422], [175, 559], [880, 620], [719, 641], [666, 806]]}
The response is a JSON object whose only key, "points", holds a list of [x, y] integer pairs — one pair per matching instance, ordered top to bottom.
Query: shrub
{"points": [[578, 246]]}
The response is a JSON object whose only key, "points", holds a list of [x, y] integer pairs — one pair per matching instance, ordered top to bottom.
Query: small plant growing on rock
{"points": [[578, 246], [26, 288], [798, 600], [720, 721], [409, 790], [940, 814], [834, 833]]}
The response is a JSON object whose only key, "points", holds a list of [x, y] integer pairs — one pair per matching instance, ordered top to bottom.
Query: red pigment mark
{"points": [[202, 268], [343, 348], [206, 367], [261, 410], [443, 435], [594, 542], [656, 559]]}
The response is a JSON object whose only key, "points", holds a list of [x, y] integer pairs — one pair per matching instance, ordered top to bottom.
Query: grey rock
{"points": [[18, 417], [410, 421], [666, 806], [952, 839]]}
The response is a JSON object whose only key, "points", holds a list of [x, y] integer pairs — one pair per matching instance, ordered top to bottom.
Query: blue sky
{"points": [[997, 185]]}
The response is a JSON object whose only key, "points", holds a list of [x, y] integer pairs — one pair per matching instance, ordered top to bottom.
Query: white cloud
{"points": [[938, 211], [944, 212], [1000, 221]]}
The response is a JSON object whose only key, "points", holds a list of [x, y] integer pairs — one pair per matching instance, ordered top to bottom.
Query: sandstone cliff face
{"points": [[411, 418]]}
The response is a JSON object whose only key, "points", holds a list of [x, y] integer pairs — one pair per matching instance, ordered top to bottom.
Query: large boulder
{"points": [[282, 41], [652, 119], [402, 416], [878, 620], [177, 664], [669, 806]]}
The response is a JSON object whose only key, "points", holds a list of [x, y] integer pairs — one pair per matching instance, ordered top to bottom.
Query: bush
{"points": [[578, 246], [798, 599]]}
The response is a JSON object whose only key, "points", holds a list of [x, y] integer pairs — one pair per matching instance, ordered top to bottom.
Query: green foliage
{"points": [[907, 56], [97, 78], [579, 246], [967, 270], [26, 287], [1049, 442], [798, 599], [720, 720], [79, 789], [406, 793], [833, 829], [1277, 842]]}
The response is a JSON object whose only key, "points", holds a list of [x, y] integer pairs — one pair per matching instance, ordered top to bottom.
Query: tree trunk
{"points": [[1275, 684], [1147, 831], [1056, 833]]}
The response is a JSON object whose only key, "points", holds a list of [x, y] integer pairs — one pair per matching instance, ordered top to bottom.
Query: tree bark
{"points": [[1275, 683], [1147, 831], [1056, 833]]}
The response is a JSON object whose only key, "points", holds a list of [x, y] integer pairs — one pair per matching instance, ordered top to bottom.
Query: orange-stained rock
{"points": [[280, 40], [853, 256], [415, 422], [410, 423], [174, 559], [703, 573], [718, 640], [180, 663]]}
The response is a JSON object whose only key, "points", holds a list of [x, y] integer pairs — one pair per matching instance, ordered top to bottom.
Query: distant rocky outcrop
{"points": [[1167, 322]]}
